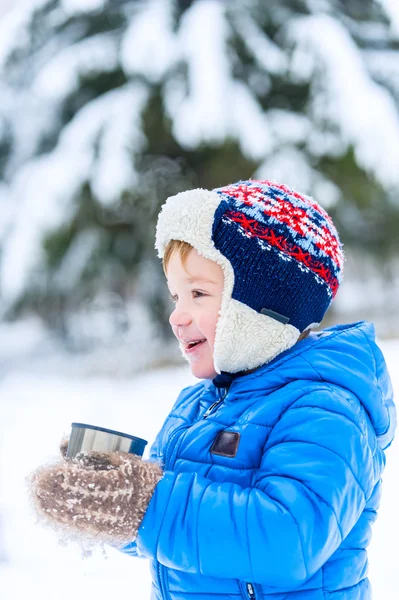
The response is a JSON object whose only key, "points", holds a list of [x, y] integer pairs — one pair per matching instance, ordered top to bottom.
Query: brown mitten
{"points": [[103, 496]]}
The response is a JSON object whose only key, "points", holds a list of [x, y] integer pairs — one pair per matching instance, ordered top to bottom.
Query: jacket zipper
{"points": [[209, 410], [162, 585], [247, 590], [250, 591]]}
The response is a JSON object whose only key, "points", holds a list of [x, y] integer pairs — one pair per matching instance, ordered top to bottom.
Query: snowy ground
{"points": [[37, 406]]}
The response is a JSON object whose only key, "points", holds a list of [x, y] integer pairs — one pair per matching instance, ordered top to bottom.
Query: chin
{"points": [[203, 372]]}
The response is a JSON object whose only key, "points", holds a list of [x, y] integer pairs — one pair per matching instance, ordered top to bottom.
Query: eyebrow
{"points": [[199, 280]]}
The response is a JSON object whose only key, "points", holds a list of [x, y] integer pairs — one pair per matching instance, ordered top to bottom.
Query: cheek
{"points": [[208, 326]]}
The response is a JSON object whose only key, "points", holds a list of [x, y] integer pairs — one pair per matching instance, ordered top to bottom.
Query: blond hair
{"points": [[183, 249]]}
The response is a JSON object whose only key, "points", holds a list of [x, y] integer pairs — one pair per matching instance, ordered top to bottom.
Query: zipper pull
{"points": [[214, 405], [210, 409], [250, 591]]}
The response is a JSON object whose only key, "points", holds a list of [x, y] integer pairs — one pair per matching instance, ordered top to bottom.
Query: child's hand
{"points": [[104, 496]]}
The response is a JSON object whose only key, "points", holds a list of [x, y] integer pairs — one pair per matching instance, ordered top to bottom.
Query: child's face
{"points": [[196, 289]]}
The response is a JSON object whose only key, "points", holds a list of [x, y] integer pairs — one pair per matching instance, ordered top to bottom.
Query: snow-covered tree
{"points": [[109, 106]]}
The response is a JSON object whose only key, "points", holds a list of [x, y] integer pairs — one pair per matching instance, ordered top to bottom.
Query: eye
{"points": [[198, 294], [173, 298]]}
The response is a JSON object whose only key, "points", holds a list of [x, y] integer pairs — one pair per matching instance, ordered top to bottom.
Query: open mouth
{"points": [[191, 346]]}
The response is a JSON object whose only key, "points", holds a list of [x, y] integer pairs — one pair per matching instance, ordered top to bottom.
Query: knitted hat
{"points": [[281, 258]]}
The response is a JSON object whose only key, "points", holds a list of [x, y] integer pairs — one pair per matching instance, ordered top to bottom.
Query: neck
{"points": [[224, 379]]}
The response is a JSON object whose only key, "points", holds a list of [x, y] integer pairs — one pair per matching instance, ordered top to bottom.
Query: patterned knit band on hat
{"points": [[281, 258]]}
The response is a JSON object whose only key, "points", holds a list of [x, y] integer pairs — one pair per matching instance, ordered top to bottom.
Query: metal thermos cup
{"points": [[89, 437]]}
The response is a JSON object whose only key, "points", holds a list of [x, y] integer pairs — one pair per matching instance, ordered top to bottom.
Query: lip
{"points": [[191, 350]]}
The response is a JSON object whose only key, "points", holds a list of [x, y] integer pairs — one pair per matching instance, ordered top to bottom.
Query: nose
{"points": [[180, 318]]}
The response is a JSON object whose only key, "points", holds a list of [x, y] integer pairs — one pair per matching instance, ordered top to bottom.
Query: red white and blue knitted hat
{"points": [[281, 258]]}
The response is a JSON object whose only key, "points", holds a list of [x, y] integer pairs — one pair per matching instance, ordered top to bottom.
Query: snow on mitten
{"points": [[64, 446], [102, 496]]}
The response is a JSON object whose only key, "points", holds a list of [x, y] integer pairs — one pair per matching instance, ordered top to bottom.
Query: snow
{"points": [[74, 7], [391, 8], [14, 27], [149, 46], [265, 52], [194, 62], [384, 66], [61, 75], [208, 75], [216, 105], [364, 111], [31, 120], [289, 127], [255, 141], [289, 165], [113, 171], [45, 186], [36, 187], [6, 210], [76, 258], [360, 296], [21, 339], [39, 402], [38, 411]]}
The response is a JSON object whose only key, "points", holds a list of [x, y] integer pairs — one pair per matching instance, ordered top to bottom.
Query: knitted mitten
{"points": [[103, 496]]}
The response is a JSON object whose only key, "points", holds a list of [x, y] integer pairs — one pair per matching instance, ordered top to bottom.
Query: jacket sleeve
{"points": [[315, 475]]}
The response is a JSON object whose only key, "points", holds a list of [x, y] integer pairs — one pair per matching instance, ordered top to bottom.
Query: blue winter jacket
{"points": [[273, 492]]}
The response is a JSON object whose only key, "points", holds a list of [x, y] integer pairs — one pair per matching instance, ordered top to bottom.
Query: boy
{"points": [[266, 476]]}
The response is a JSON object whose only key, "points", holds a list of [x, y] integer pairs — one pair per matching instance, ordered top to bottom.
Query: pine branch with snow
{"points": [[108, 107]]}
